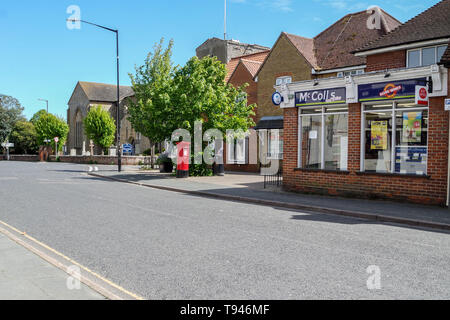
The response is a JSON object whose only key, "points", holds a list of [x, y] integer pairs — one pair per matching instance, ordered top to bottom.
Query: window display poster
{"points": [[412, 127], [379, 135]]}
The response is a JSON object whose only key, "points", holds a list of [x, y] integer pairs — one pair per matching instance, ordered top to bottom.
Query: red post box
{"points": [[183, 157]]}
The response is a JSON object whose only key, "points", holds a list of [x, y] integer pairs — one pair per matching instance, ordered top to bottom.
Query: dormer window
{"points": [[425, 56]]}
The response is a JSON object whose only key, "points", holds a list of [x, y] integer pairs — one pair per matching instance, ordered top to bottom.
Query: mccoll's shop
{"points": [[376, 135]]}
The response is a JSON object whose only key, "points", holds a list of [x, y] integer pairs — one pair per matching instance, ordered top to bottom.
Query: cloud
{"points": [[280, 5], [347, 5]]}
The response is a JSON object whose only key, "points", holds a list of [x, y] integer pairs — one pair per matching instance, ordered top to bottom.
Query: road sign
{"points": [[56, 139], [8, 145], [127, 148]]}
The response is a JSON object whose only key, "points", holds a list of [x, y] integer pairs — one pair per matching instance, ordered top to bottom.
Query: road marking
{"points": [[63, 267]]}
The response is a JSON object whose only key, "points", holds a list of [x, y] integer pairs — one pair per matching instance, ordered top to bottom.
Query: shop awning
{"points": [[270, 123]]}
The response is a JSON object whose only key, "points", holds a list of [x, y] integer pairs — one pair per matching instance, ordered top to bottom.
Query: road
{"points": [[165, 245]]}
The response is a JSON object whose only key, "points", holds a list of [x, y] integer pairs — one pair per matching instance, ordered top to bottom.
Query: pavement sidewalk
{"points": [[249, 188], [25, 276]]}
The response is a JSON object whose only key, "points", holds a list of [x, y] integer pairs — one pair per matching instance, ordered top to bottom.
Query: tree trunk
{"points": [[152, 155]]}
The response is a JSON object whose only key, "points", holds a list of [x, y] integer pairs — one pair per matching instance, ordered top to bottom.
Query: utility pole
{"points": [[46, 101]]}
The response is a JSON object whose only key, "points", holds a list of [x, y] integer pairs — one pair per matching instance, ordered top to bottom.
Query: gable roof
{"points": [[433, 23], [305, 46], [332, 48], [258, 57], [103, 92]]}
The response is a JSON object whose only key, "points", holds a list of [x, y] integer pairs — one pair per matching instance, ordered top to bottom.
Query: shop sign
{"points": [[403, 89], [422, 95], [320, 97]]}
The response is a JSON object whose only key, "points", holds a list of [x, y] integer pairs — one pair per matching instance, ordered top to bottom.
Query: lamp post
{"points": [[46, 101], [119, 155]]}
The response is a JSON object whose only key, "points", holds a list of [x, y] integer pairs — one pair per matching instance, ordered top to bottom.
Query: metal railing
{"points": [[274, 179]]}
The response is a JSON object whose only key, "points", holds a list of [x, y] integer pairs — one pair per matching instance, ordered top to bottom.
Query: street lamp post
{"points": [[46, 101], [119, 155]]}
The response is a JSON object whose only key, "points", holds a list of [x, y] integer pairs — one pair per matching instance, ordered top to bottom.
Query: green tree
{"points": [[201, 94], [150, 111], [10, 113], [37, 115], [49, 126], [99, 126], [24, 137]]}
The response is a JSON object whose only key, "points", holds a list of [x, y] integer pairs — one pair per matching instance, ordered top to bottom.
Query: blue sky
{"points": [[41, 58]]}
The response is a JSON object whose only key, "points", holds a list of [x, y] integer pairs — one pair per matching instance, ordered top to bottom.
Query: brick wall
{"points": [[284, 60], [388, 60], [126, 160], [431, 189]]}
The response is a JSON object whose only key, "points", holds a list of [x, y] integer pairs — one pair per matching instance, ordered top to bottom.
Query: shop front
{"points": [[379, 135]]}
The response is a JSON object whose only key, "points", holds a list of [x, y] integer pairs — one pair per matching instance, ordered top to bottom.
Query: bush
{"points": [[147, 152], [163, 158]]}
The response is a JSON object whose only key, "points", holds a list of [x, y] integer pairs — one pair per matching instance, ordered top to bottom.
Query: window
{"points": [[425, 56], [343, 74], [283, 80], [395, 138], [323, 141], [275, 144], [237, 151]]}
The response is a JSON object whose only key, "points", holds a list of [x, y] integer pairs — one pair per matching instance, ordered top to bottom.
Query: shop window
{"points": [[425, 56], [324, 138], [396, 139], [275, 144]]}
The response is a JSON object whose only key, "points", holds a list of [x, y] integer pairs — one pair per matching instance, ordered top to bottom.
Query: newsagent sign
{"points": [[403, 89], [320, 97]]}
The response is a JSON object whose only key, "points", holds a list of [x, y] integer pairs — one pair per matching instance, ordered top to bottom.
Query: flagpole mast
{"points": [[225, 22]]}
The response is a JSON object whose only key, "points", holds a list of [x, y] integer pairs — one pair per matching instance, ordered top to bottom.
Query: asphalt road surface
{"points": [[165, 245]]}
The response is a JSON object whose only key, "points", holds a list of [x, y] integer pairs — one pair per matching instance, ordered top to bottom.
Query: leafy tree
{"points": [[201, 94], [168, 98], [150, 110], [10, 113], [37, 115], [49, 126], [99, 126], [24, 137]]}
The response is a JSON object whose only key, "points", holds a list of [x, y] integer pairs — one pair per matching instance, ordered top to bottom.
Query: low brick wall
{"points": [[17, 157], [126, 160]]}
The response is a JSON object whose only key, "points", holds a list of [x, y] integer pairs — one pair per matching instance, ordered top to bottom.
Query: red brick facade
{"points": [[388, 60], [241, 76], [354, 183]]}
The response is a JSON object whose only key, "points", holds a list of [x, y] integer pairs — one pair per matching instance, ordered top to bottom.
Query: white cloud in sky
{"points": [[280, 5]]}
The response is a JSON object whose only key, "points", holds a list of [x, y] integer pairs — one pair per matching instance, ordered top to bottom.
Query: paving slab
{"points": [[26, 276]]}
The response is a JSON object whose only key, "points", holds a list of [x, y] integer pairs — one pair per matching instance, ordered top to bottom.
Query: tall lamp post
{"points": [[46, 101], [119, 155]]}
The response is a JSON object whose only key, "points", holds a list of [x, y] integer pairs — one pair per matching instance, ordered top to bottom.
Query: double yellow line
{"points": [[107, 293]]}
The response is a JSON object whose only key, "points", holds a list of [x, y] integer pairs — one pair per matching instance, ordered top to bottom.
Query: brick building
{"points": [[294, 58], [241, 71], [375, 135]]}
